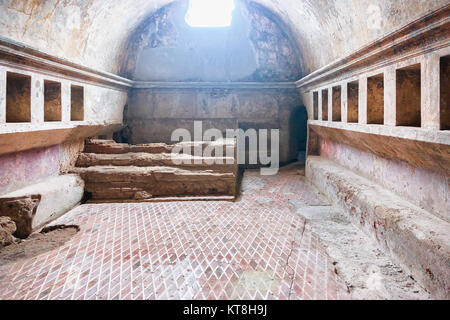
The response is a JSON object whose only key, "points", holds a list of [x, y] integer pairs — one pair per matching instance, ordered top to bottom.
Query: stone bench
{"points": [[34, 206], [417, 239]]}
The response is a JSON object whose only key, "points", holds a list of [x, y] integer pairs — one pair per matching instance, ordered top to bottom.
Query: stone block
{"points": [[38, 204], [22, 211], [7, 229], [417, 239]]}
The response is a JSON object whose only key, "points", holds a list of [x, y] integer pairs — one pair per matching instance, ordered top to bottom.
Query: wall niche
{"points": [[445, 93], [409, 96], [18, 98], [375, 99], [52, 101], [353, 102], [77, 103], [337, 104], [316, 105], [325, 105]]}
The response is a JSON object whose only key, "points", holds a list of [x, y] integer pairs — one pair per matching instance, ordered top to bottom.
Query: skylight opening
{"points": [[210, 13]]}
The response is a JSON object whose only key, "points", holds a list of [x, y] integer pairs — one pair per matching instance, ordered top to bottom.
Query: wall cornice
{"points": [[428, 33], [19, 56], [214, 85]]}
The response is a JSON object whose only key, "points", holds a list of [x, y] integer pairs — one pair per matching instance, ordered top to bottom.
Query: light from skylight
{"points": [[210, 13]]}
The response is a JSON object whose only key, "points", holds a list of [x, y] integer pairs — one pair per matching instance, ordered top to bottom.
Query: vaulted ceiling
{"points": [[94, 33]]}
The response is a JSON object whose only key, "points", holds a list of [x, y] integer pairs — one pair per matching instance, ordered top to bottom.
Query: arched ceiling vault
{"points": [[94, 32]]}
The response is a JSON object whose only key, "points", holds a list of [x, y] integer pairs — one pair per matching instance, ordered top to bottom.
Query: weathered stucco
{"points": [[323, 30], [253, 48], [154, 114], [24, 168], [21, 169]]}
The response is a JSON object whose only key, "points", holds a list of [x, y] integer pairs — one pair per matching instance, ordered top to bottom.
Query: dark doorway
{"points": [[299, 133]]}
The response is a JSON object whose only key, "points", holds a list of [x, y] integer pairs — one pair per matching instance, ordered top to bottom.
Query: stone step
{"points": [[227, 147], [141, 159], [123, 172], [140, 183], [168, 199], [417, 239]]}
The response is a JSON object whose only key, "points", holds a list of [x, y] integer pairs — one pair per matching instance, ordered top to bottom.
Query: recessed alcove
{"points": [[445, 93], [408, 96], [18, 98], [375, 99], [52, 101], [352, 102], [77, 103], [337, 104], [316, 105], [325, 105]]}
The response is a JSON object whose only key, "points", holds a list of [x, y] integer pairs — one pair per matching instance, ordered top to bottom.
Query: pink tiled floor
{"points": [[252, 249]]}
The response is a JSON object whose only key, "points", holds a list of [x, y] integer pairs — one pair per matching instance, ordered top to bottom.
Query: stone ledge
{"points": [[17, 55], [21, 56], [214, 85], [411, 133], [20, 137], [111, 147], [422, 148], [156, 160], [169, 199], [38, 204], [416, 238]]}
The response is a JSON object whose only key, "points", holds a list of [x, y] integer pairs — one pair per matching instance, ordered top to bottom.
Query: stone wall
{"points": [[93, 33], [254, 48], [217, 66], [153, 114], [45, 115], [393, 127], [21, 169], [426, 189]]}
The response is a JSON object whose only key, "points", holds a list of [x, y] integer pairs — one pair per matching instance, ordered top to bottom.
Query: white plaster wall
{"points": [[94, 32], [104, 104]]}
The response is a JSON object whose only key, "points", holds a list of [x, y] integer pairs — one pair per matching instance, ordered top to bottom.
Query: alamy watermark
{"points": [[254, 147]]}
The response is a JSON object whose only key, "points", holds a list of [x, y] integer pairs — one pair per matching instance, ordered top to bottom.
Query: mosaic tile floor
{"points": [[251, 249]]}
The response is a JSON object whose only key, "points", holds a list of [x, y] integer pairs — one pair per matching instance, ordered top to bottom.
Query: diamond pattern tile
{"points": [[251, 249]]}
